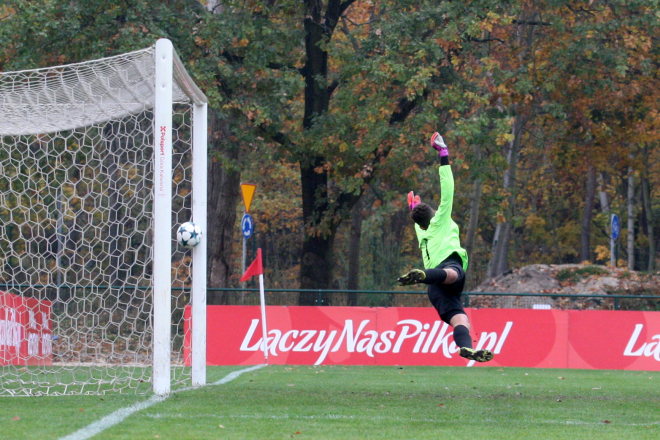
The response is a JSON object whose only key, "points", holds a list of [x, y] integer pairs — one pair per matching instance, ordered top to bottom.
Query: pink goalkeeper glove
{"points": [[439, 144], [413, 200]]}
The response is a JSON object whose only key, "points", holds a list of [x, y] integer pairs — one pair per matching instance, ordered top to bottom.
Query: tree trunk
{"points": [[602, 195], [223, 196], [475, 202], [648, 211], [631, 219], [473, 224], [585, 237], [555, 239], [505, 240], [496, 251], [354, 252], [317, 260], [387, 261], [499, 263], [317, 264]]}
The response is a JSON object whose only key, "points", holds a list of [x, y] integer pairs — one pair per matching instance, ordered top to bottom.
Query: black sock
{"points": [[435, 276], [462, 336]]}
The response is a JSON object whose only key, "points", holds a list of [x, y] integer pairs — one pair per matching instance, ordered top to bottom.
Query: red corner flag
{"points": [[256, 268]]}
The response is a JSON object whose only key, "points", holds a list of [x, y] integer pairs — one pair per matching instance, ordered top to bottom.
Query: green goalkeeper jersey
{"points": [[441, 238]]}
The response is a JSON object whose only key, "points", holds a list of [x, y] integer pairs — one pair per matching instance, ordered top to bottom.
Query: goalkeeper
{"points": [[445, 261]]}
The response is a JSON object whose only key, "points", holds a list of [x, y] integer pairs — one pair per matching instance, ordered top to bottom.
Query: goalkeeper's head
{"points": [[422, 215]]}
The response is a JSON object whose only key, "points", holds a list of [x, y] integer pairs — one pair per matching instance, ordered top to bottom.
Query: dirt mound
{"points": [[564, 279]]}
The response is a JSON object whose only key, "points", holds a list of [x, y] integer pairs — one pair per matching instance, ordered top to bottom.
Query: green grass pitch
{"points": [[367, 402]]}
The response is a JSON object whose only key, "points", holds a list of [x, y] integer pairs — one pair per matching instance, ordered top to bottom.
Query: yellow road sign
{"points": [[248, 192]]}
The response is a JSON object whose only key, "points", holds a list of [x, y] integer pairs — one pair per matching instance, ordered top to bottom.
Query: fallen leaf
{"points": [[560, 377], [597, 388], [558, 400], [441, 404], [81, 410], [17, 418], [607, 421], [221, 426]]}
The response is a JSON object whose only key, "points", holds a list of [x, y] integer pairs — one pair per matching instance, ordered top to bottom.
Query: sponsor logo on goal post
{"points": [[162, 172]]}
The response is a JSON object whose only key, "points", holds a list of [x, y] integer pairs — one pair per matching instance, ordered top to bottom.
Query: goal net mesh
{"points": [[76, 227]]}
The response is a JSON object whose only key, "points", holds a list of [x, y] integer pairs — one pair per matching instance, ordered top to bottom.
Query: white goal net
{"points": [[99, 163]]}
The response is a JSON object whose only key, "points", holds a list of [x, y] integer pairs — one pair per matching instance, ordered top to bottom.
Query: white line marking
{"points": [[233, 375], [120, 415]]}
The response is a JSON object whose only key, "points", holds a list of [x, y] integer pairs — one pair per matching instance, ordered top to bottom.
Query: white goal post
{"points": [[99, 163]]}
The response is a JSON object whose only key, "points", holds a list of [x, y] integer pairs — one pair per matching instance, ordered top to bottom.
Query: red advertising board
{"points": [[26, 336], [415, 336], [614, 340]]}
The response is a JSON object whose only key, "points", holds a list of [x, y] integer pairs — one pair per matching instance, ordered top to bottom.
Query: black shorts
{"points": [[446, 298]]}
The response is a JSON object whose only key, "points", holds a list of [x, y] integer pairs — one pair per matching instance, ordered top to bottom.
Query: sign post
{"points": [[247, 223], [614, 226]]}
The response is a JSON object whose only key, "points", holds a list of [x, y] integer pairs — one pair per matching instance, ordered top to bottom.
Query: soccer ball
{"points": [[189, 235]]}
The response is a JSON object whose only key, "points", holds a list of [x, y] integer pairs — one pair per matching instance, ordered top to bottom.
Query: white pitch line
{"points": [[234, 374], [120, 415]]}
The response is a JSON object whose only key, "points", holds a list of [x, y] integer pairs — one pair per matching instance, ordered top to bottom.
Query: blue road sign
{"points": [[247, 226], [615, 226]]}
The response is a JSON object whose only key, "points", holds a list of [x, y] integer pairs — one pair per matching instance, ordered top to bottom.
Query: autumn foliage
{"points": [[549, 109]]}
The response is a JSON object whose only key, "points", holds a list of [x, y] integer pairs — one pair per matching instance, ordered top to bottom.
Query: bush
{"points": [[576, 274]]}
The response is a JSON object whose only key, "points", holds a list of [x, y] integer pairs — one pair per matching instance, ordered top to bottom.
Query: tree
{"points": [[56, 32], [349, 97], [535, 97]]}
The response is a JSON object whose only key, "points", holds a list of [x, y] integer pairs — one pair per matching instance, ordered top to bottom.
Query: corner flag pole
{"points": [[256, 268], [263, 315]]}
